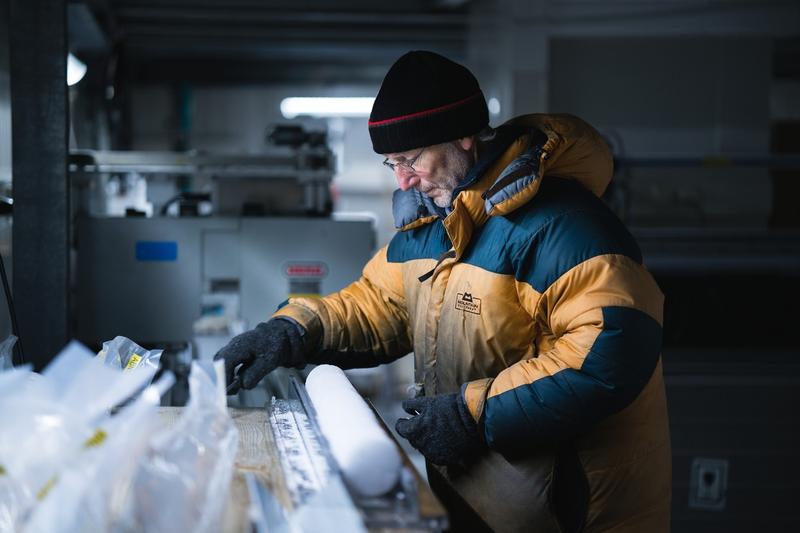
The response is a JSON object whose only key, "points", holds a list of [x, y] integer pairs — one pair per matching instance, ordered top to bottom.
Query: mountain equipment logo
{"points": [[466, 302]]}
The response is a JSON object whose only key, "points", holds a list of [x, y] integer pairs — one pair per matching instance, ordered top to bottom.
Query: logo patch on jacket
{"points": [[466, 302]]}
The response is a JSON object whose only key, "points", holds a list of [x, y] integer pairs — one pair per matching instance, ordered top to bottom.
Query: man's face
{"points": [[437, 170]]}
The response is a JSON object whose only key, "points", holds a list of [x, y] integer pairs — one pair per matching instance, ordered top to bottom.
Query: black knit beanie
{"points": [[425, 99]]}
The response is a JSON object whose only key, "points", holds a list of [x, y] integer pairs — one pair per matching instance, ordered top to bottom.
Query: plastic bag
{"points": [[121, 352], [47, 421], [71, 460], [189, 466], [94, 485]]}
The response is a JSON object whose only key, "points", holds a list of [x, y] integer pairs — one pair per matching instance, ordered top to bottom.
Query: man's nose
{"points": [[406, 180]]}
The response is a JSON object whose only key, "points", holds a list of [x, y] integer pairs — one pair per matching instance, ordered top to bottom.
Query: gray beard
{"points": [[458, 163]]}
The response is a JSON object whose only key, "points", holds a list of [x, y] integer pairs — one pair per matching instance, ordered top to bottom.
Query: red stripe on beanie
{"points": [[422, 113]]}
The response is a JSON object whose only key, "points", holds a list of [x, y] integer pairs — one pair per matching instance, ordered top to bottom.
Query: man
{"points": [[536, 330]]}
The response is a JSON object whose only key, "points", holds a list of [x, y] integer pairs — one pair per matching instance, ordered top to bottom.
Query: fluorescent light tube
{"points": [[327, 106]]}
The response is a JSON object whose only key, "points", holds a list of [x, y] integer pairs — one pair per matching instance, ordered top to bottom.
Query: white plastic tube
{"points": [[366, 455]]}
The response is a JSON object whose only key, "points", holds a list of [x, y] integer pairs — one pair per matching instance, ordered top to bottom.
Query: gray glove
{"points": [[279, 342], [442, 429]]}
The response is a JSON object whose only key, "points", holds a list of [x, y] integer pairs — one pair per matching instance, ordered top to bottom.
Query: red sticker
{"points": [[306, 270]]}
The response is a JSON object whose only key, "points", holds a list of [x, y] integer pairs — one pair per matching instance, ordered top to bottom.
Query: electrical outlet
{"points": [[708, 484]]}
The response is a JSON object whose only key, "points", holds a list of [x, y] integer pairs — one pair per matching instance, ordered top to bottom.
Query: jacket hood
{"points": [[569, 148]]}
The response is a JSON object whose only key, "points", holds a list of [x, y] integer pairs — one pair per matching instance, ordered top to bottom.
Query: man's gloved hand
{"points": [[278, 342], [442, 429]]}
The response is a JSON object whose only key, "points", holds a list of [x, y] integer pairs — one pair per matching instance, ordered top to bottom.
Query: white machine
{"points": [[151, 279]]}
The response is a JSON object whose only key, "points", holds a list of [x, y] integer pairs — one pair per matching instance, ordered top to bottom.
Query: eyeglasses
{"points": [[408, 164]]}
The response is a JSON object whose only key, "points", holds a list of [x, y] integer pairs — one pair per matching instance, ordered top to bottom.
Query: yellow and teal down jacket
{"points": [[530, 297]]}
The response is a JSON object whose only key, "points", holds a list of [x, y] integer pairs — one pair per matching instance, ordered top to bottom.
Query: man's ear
{"points": [[467, 143]]}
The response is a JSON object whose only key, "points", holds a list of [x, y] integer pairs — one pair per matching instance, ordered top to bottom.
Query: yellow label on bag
{"points": [[133, 362], [96, 440], [47, 486]]}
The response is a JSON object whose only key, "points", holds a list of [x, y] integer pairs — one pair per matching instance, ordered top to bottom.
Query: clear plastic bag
{"points": [[121, 352], [48, 420], [71, 460], [189, 466], [95, 484]]}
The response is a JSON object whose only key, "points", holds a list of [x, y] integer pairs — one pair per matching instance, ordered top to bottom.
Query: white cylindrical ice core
{"points": [[366, 455]]}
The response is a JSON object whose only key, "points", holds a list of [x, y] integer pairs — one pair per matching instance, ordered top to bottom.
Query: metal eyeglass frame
{"points": [[409, 165]]}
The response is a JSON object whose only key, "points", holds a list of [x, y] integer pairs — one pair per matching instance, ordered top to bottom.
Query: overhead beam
{"points": [[224, 14], [226, 72]]}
